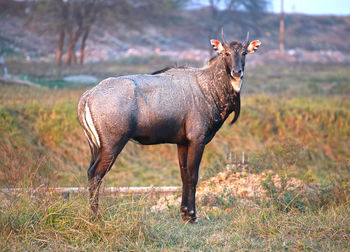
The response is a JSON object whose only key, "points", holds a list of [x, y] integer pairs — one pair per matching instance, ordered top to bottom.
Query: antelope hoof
{"points": [[94, 208], [188, 216], [189, 219], [194, 221]]}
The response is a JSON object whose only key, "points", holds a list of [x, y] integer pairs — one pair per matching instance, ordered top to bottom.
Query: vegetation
{"points": [[243, 14], [72, 21], [40, 37], [299, 127], [41, 137], [54, 223]]}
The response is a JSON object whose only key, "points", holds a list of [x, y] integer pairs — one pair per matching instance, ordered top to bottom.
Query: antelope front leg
{"points": [[182, 155], [194, 157]]}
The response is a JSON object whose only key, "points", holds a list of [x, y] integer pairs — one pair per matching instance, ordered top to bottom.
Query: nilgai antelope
{"points": [[183, 106]]}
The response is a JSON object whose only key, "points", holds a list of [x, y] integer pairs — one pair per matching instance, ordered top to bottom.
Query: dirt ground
{"points": [[241, 185]]}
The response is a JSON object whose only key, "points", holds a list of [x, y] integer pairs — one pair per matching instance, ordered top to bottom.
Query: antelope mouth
{"points": [[236, 78]]}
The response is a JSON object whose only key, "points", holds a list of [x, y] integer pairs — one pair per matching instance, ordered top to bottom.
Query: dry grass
{"points": [[291, 131], [42, 142], [54, 223]]}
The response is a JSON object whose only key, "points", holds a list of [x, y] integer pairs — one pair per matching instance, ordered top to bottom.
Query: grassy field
{"points": [[295, 121], [55, 223]]}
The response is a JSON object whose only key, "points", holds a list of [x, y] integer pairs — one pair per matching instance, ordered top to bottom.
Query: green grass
{"points": [[45, 71], [298, 80]]}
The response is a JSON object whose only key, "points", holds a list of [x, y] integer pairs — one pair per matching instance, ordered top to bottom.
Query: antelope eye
{"points": [[227, 54]]}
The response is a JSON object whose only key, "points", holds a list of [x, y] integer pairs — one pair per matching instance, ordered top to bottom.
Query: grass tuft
{"points": [[52, 222]]}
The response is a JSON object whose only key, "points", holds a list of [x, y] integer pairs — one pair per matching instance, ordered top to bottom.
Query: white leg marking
{"points": [[91, 124], [86, 127]]}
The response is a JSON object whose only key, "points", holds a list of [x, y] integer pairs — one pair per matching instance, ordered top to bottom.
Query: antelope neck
{"points": [[215, 82]]}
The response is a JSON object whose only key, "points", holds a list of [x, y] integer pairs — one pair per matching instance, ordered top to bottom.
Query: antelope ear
{"points": [[217, 46], [253, 46]]}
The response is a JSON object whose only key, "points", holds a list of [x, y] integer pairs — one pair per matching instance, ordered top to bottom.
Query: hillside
{"points": [[184, 38]]}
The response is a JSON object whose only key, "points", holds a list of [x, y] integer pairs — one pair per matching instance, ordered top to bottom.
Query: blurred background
{"points": [[295, 102]]}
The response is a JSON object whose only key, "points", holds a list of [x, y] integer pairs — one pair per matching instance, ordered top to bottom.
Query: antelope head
{"points": [[234, 55]]}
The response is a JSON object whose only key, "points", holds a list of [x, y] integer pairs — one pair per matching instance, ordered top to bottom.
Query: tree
{"points": [[230, 11], [241, 13], [72, 19], [75, 20], [61, 24]]}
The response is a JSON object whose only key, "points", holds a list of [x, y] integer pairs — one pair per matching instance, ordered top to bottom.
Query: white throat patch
{"points": [[236, 84]]}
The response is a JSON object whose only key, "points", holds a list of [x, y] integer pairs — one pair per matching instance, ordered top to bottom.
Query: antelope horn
{"points": [[222, 38], [247, 39]]}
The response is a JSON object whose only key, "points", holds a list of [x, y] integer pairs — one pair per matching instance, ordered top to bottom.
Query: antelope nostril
{"points": [[236, 73]]}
